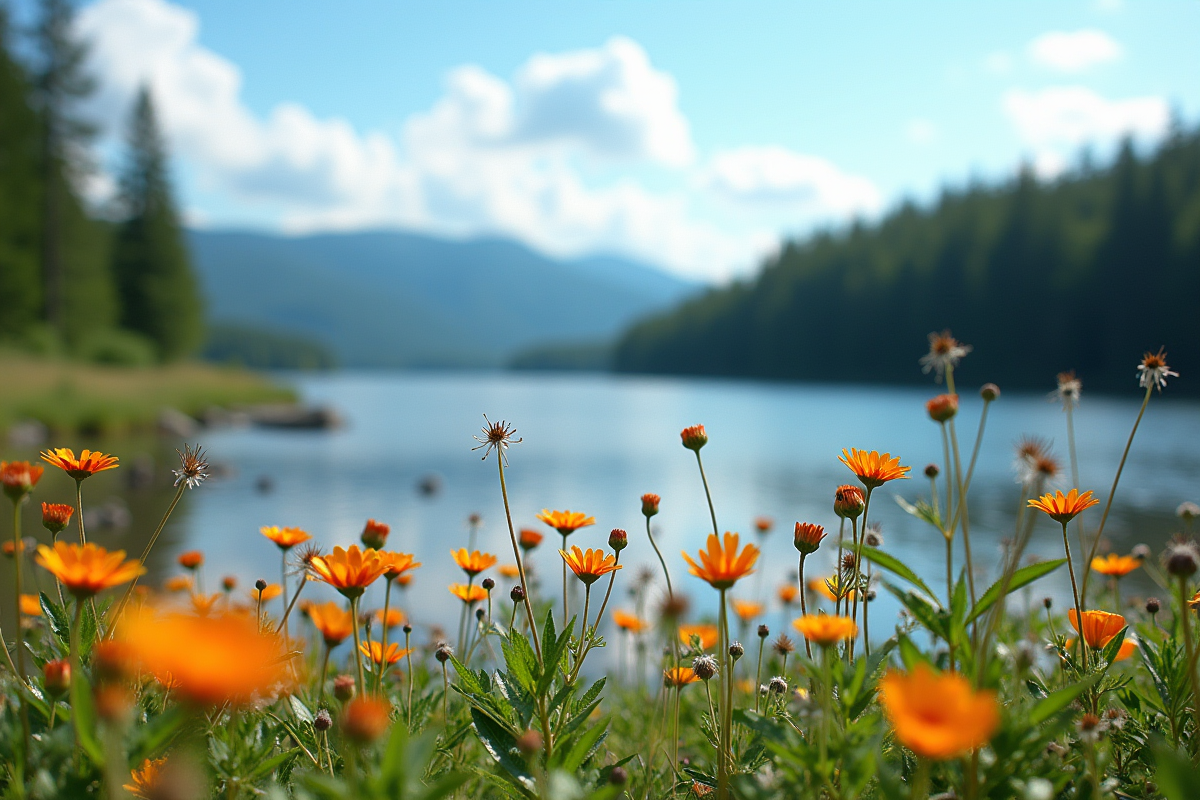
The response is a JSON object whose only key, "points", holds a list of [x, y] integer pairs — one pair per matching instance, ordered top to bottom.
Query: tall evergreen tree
{"points": [[157, 287]]}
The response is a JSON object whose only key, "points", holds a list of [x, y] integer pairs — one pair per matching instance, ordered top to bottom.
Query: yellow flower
{"points": [[87, 465], [873, 469], [1061, 507], [566, 522], [286, 538], [474, 562], [397, 563], [590, 565], [1116, 566], [722, 567], [87, 569], [509, 570], [350, 571], [179, 583], [270, 592], [788, 593], [468, 594], [202, 604], [31, 605], [747, 609], [394, 617], [334, 622], [628, 622], [1099, 627], [825, 629], [707, 634], [375, 652], [678, 677], [936, 715], [144, 779]]}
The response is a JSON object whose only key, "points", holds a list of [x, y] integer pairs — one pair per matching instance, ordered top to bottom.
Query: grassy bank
{"points": [[87, 398]]}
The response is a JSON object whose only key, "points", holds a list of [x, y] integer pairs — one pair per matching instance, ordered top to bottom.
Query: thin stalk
{"points": [[1074, 469], [707, 494], [79, 510], [962, 510], [947, 529], [512, 533], [858, 555], [18, 557], [949, 591], [283, 593], [1075, 594], [387, 599], [587, 599], [837, 603], [291, 605], [566, 605], [803, 612], [116, 614], [866, 615], [1185, 615], [76, 623], [408, 659], [758, 672], [321, 676], [362, 681], [445, 695], [826, 702], [723, 739]]}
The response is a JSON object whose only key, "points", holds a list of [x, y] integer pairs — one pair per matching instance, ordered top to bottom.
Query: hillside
{"points": [[1084, 273], [390, 299]]}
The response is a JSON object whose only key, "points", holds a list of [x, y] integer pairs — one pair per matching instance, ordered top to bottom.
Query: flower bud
{"points": [[989, 392], [942, 408], [694, 437], [932, 471], [849, 502], [650, 504], [56, 516], [375, 534], [808, 537], [618, 540], [1140, 551], [1181, 559], [229, 583], [488, 584], [260, 585], [517, 594], [1047, 602], [1152, 606], [479, 614], [407, 629], [763, 631], [736, 651], [443, 653], [705, 667], [56, 677], [778, 685], [343, 687], [365, 719], [322, 722], [529, 743], [617, 776]]}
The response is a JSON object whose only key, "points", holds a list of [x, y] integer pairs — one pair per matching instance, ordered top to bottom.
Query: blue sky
{"points": [[688, 134]]}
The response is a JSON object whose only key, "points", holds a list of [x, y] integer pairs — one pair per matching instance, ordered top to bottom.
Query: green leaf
{"points": [[922, 510], [895, 565], [1022, 577], [921, 609], [60, 623], [88, 629], [1109, 653], [553, 654], [910, 654], [520, 660], [468, 681], [1057, 701], [300, 710], [83, 712], [501, 746], [584, 747], [270, 764], [1176, 776]]}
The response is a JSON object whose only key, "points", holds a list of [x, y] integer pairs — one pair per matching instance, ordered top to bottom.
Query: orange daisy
{"points": [[694, 437], [87, 465], [872, 468], [19, 477], [1063, 508], [56, 516], [566, 522], [286, 538], [529, 538], [191, 559], [474, 562], [397, 563], [590, 565], [1116, 566], [722, 567], [89, 568], [509, 570], [349, 571], [178, 583], [821, 587], [271, 591], [788, 593], [468, 594], [203, 604], [31, 605], [747, 609], [394, 617], [332, 621], [628, 622], [1099, 627], [825, 629], [707, 634], [1128, 645], [375, 652], [678, 677], [938, 715], [144, 779]]}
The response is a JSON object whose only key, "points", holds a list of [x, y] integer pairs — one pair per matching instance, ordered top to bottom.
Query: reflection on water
{"points": [[597, 443]]}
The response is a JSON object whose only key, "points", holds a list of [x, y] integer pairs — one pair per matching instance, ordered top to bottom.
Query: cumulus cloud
{"points": [[1074, 51], [778, 176]]}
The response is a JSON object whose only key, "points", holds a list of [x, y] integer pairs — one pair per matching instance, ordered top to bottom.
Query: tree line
{"points": [[1082, 273], [108, 284]]}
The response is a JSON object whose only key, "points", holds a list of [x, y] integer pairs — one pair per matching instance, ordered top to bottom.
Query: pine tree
{"points": [[157, 287]]}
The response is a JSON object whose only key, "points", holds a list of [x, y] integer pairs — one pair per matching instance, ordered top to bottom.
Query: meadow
{"points": [[201, 687]]}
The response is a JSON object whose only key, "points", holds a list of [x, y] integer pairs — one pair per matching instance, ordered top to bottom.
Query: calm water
{"points": [[597, 443]]}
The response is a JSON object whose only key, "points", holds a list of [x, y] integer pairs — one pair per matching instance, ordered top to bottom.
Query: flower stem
{"points": [[1074, 470], [708, 495], [960, 515], [512, 533], [18, 557], [283, 593], [1075, 594], [387, 600], [566, 605], [803, 612], [116, 613], [1185, 614], [408, 659], [758, 671], [321, 677], [362, 681], [723, 738]]}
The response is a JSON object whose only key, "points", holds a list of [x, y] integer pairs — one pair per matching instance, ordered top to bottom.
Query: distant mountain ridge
{"points": [[398, 299]]}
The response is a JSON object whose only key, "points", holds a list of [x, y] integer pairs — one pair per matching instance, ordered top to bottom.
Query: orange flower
{"points": [[942, 408], [694, 437], [87, 465], [873, 469], [19, 477], [650, 503], [1063, 508], [55, 516], [566, 522], [763, 524], [375, 534], [807, 537], [286, 538], [529, 538], [191, 559], [474, 562], [397, 563], [590, 565], [1115, 565], [722, 567], [87, 569], [509, 570], [350, 571], [404, 579], [179, 583], [821, 587], [271, 591], [468, 594], [787, 594], [202, 604], [31, 605], [747, 609], [394, 617], [331, 620], [628, 622], [1099, 627], [825, 629], [707, 634], [1128, 645], [375, 652], [207, 660], [678, 677], [936, 715], [365, 719], [144, 779]]}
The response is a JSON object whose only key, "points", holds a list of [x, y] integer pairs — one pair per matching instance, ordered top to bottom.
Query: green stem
{"points": [[1074, 471], [708, 495], [79, 510], [962, 510], [512, 533], [18, 557], [950, 590], [283, 593], [1075, 594], [387, 599], [837, 603], [566, 605], [803, 612], [116, 613], [1185, 617], [408, 660], [758, 672], [321, 677], [362, 681], [723, 739]]}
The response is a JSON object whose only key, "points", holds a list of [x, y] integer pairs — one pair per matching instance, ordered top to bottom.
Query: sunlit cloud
{"points": [[1074, 51]]}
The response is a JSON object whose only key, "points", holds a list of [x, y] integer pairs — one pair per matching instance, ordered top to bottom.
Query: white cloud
{"points": [[1074, 51], [920, 131], [777, 176]]}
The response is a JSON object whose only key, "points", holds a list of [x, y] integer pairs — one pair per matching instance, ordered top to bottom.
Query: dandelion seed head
{"points": [[192, 466]]}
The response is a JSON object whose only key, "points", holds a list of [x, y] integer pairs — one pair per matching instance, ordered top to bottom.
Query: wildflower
{"points": [[944, 353], [1153, 371], [1068, 389], [989, 392], [942, 408], [497, 436], [694, 437], [87, 465], [191, 467], [873, 469], [19, 477], [849, 502], [650, 504], [1063, 508], [1187, 511], [56, 516], [566, 522], [763, 524], [375, 534], [808, 537], [285, 538], [529, 539], [618, 539], [1181, 558], [192, 559], [474, 562], [396, 564], [590, 565], [723, 566], [1116, 566], [87, 569], [350, 571], [509, 571], [178, 583], [229, 583], [826, 587], [268, 591], [788, 593], [468, 594], [517, 594], [203, 604], [31, 605], [1153, 606], [747, 609], [393, 618], [332, 621], [628, 622], [1099, 627], [825, 629], [705, 635], [783, 645], [1128, 645], [736, 650], [375, 652], [208, 660], [705, 667], [56, 677], [678, 677], [778, 685], [343, 687], [938, 715], [365, 719], [322, 721], [144, 780]]}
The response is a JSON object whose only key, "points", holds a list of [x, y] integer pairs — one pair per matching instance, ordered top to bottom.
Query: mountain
{"points": [[1083, 273], [396, 299]]}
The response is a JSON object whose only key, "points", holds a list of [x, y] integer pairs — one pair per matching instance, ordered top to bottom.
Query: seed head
{"points": [[944, 353], [1153, 371], [1068, 389], [989, 392], [496, 436], [192, 464], [932, 471], [1188, 511], [874, 536], [1182, 558], [488, 584], [260, 585], [517, 594], [1047, 602], [1152, 606], [408, 629], [763, 631], [783, 645], [736, 651], [443, 653], [705, 667], [778, 685], [322, 722]]}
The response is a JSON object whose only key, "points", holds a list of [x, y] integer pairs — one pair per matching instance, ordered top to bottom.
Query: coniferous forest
{"points": [[1084, 273]]}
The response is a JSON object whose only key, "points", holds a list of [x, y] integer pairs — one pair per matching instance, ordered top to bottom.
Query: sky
{"points": [[690, 135]]}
